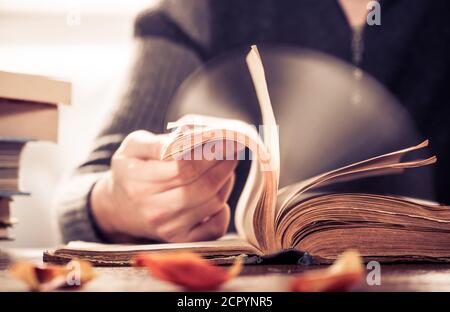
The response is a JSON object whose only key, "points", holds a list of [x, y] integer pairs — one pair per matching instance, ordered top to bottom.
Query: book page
{"points": [[270, 127], [271, 140], [381, 165], [327, 224], [227, 245], [222, 251]]}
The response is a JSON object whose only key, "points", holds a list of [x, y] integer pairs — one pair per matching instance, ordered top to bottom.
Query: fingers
{"points": [[143, 145], [146, 145], [139, 158], [172, 173], [160, 176], [198, 192], [190, 218], [175, 226], [213, 228]]}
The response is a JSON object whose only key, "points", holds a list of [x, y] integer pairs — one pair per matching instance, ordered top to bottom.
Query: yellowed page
{"points": [[271, 136], [380, 165], [265, 218], [227, 245]]}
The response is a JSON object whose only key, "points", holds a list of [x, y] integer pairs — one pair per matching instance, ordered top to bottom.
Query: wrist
{"points": [[100, 205]]}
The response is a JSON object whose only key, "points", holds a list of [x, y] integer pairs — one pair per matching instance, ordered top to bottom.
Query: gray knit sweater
{"points": [[408, 54]]}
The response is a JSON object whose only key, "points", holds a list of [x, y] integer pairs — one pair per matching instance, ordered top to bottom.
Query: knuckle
{"points": [[137, 135], [134, 139], [129, 140], [117, 161], [120, 168], [187, 170], [179, 171], [212, 179], [205, 189], [130, 190], [137, 193], [221, 197], [182, 199], [217, 203], [156, 217], [152, 219], [220, 224], [217, 231], [167, 233]]}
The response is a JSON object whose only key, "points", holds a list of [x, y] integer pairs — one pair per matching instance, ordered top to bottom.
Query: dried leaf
{"points": [[188, 270], [345, 272], [50, 277]]}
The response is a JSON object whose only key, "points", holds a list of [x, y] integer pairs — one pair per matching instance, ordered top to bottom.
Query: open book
{"points": [[269, 220]]}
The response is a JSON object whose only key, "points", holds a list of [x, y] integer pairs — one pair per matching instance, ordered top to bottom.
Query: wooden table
{"points": [[395, 277]]}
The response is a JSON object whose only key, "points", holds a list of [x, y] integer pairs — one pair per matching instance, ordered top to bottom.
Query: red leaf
{"points": [[188, 270], [346, 272], [51, 277]]}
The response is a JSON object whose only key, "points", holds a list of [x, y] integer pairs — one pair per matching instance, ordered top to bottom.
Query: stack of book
{"points": [[28, 112]]}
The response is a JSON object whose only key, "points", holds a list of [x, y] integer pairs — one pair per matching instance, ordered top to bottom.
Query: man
{"points": [[124, 193]]}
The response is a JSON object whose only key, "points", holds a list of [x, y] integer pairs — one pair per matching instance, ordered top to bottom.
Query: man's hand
{"points": [[170, 201]]}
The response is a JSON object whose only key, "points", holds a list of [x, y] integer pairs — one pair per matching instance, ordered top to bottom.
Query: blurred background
{"points": [[87, 42]]}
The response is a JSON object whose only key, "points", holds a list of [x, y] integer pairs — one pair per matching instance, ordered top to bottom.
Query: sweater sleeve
{"points": [[160, 66]]}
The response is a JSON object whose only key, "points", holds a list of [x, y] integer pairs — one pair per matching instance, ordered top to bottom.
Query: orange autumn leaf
{"points": [[187, 269], [345, 272], [51, 277]]}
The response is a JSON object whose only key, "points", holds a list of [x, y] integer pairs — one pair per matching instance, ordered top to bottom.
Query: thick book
{"points": [[34, 88], [29, 105], [38, 121], [10, 151], [301, 216], [5, 218]]}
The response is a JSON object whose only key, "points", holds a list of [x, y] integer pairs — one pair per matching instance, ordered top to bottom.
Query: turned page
{"points": [[255, 212], [264, 218]]}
